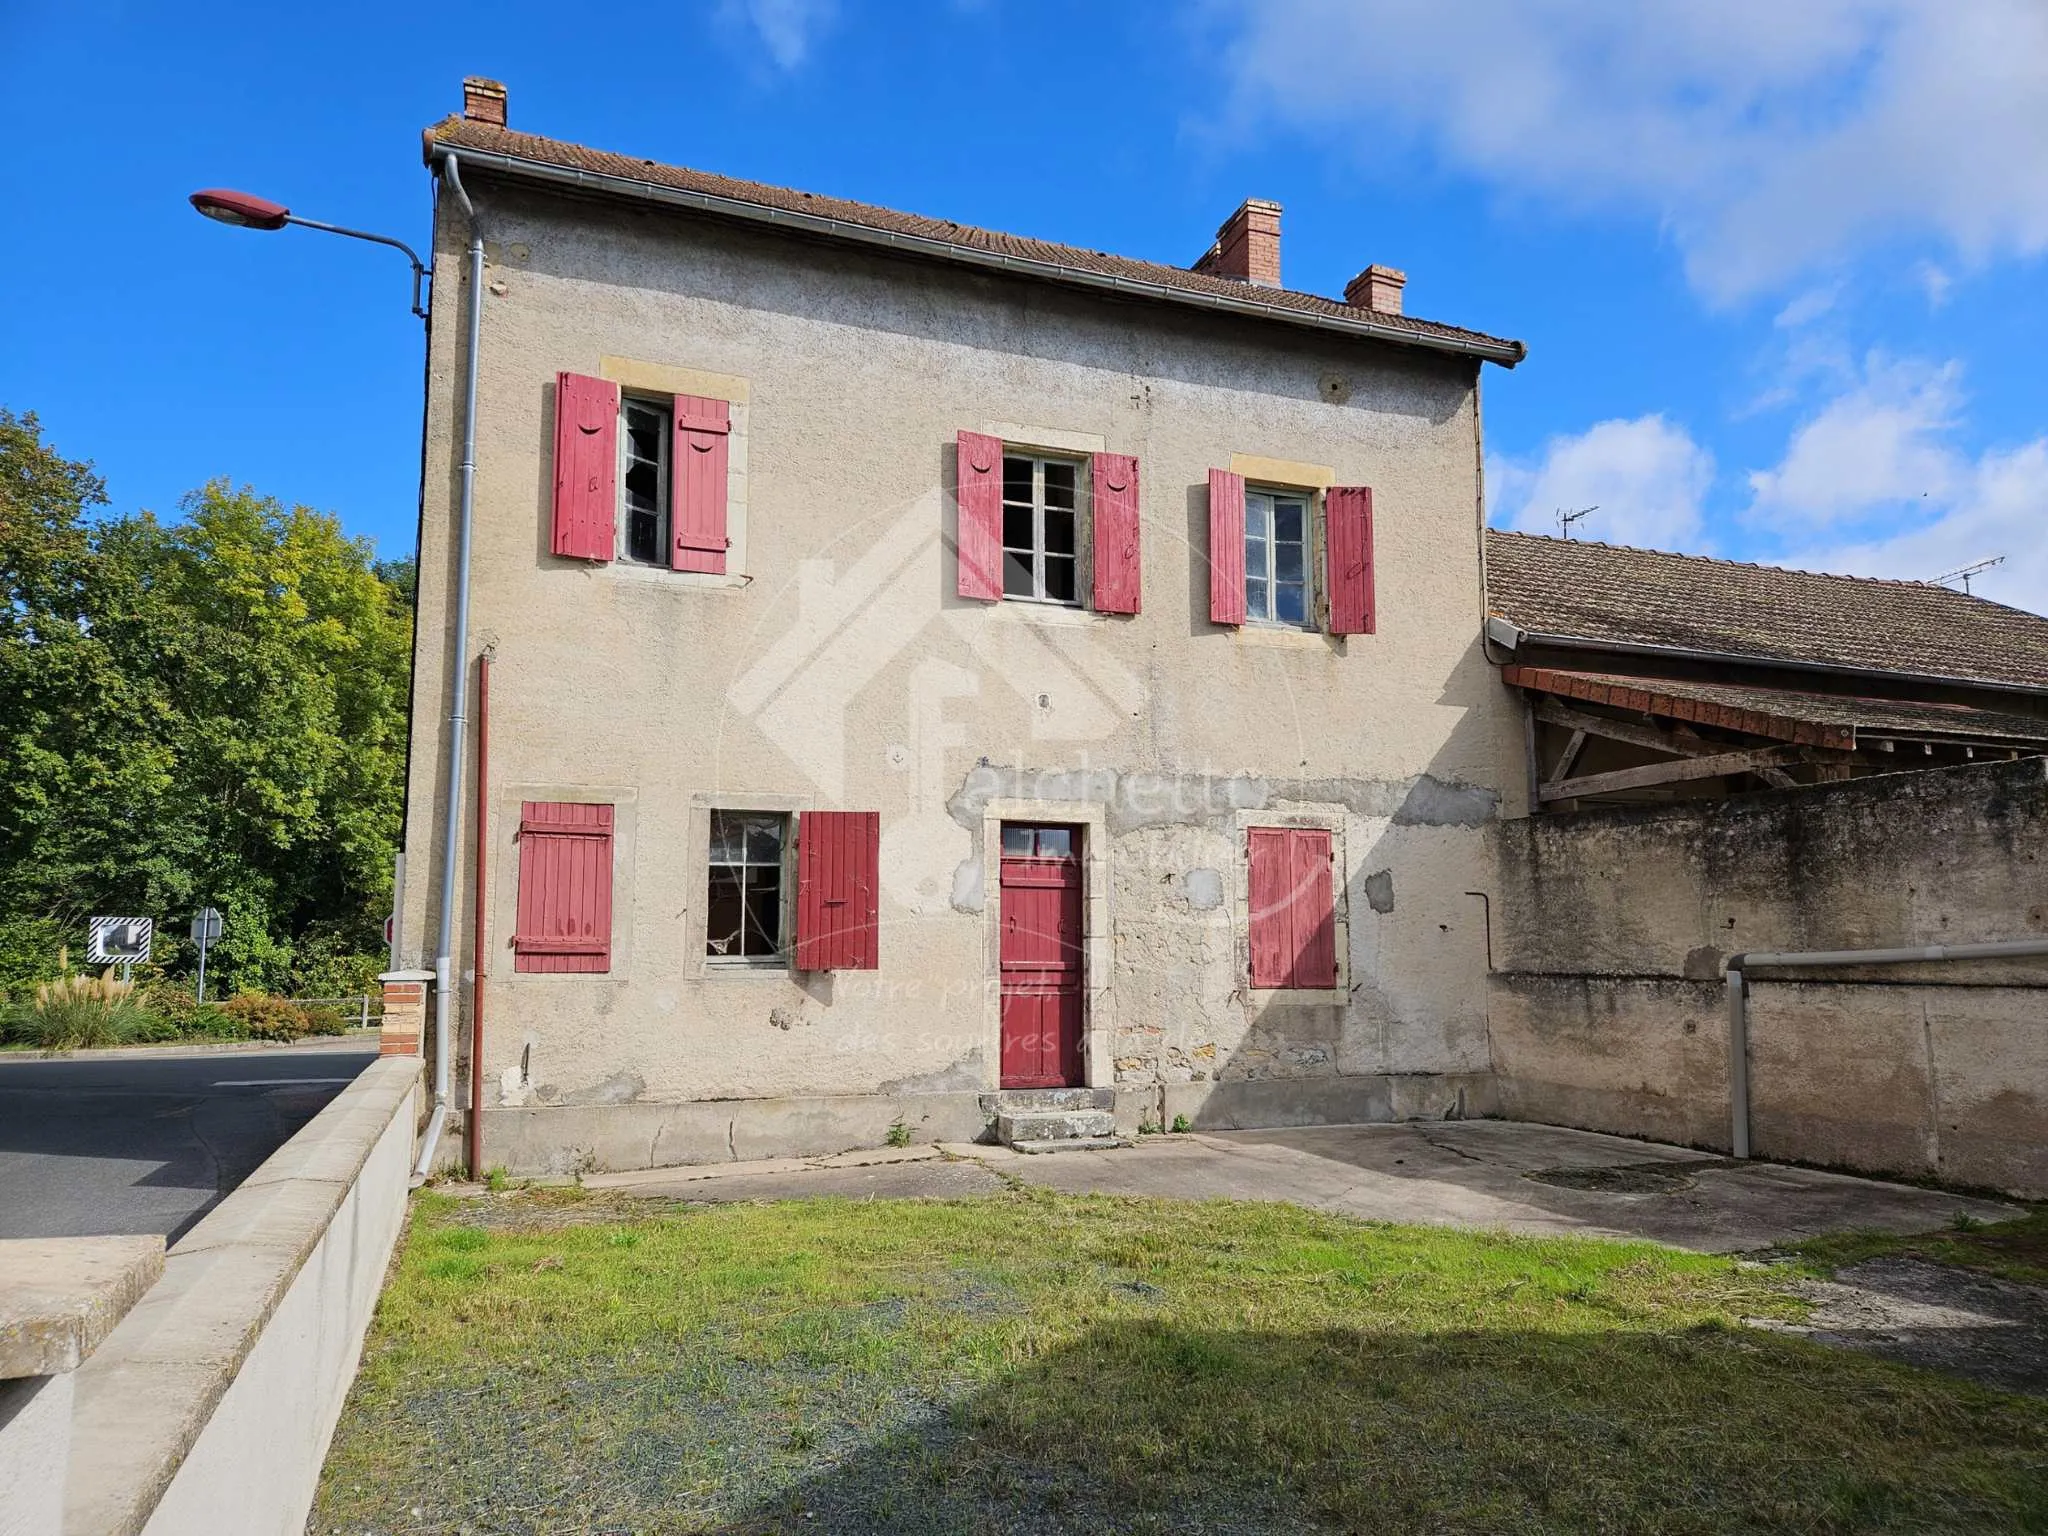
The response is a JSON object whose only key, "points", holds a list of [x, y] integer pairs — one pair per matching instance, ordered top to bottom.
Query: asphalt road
{"points": [[131, 1144]]}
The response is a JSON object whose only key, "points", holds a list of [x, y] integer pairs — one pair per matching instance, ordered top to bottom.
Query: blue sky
{"points": [[1780, 266]]}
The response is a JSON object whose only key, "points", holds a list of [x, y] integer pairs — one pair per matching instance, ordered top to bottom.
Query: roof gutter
{"points": [[1507, 354], [1510, 636]]}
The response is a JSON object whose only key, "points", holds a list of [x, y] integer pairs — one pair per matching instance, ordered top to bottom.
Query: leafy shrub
{"points": [[29, 947], [324, 972], [170, 1001], [83, 1012], [266, 1017], [323, 1020], [211, 1022], [16, 1023], [152, 1028]]}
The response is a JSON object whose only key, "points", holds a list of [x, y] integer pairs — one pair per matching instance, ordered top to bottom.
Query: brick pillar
{"points": [[405, 1012]]}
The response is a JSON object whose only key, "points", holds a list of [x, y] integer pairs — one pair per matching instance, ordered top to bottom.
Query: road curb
{"points": [[362, 1040]]}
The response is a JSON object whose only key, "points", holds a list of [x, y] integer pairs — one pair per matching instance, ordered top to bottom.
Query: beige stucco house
{"points": [[925, 663]]}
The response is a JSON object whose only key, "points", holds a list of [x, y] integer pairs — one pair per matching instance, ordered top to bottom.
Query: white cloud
{"points": [[786, 28], [1768, 136], [1878, 445], [1646, 477], [2000, 508]]}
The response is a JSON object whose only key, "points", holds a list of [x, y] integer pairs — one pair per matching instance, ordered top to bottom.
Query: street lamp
{"points": [[243, 210]]}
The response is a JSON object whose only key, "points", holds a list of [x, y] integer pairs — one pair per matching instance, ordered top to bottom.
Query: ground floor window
{"points": [[746, 922]]}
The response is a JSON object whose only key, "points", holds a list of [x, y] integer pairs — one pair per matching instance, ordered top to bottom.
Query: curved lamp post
{"points": [[244, 210]]}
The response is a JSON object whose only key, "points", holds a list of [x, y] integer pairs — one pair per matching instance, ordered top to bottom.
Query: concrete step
{"points": [[1038, 1101], [1065, 1125], [1070, 1144]]}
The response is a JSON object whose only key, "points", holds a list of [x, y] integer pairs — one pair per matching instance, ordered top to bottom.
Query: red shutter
{"points": [[586, 466], [697, 485], [1115, 513], [981, 516], [1347, 521], [1226, 547], [565, 888], [838, 890], [1293, 919], [1314, 919]]}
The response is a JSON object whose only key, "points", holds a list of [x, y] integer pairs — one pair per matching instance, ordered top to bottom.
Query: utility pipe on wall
{"points": [[458, 658], [1739, 967], [473, 1124]]}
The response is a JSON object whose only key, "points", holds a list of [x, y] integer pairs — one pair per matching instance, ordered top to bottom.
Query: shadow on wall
{"points": [[1408, 1039]]}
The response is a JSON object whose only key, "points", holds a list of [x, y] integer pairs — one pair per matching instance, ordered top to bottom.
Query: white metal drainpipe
{"points": [[458, 654], [1738, 1008]]}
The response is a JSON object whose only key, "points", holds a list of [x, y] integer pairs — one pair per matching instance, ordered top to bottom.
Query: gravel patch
{"points": [[1933, 1315]]}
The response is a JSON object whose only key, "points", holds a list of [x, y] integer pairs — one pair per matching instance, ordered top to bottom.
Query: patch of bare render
{"points": [[1135, 801], [1203, 889], [1379, 890], [970, 892], [963, 1076], [619, 1088]]}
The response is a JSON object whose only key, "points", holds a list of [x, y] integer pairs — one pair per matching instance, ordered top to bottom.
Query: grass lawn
{"points": [[553, 1361]]}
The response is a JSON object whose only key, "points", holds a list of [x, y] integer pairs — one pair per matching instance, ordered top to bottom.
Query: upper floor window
{"points": [[643, 480], [1039, 529], [1277, 586]]}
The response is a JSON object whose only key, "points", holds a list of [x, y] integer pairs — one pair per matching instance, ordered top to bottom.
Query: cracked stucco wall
{"points": [[838, 669]]}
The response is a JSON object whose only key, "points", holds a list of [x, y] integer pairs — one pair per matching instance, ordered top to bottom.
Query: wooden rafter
{"points": [[1578, 721], [1750, 760]]}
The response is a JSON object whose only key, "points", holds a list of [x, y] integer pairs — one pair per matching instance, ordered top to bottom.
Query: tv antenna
{"points": [[1566, 519], [1964, 573]]}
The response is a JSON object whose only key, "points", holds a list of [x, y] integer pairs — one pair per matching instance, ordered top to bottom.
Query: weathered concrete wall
{"points": [[835, 668], [1611, 928], [209, 1408]]}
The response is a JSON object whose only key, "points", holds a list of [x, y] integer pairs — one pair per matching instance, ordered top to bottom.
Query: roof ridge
{"points": [[459, 131], [1760, 565]]}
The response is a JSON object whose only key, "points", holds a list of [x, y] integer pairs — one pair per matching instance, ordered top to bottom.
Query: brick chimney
{"points": [[483, 101], [1247, 246], [1378, 289]]}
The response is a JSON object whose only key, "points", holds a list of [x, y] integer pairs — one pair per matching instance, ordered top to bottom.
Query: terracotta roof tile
{"points": [[462, 133], [1606, 592]]}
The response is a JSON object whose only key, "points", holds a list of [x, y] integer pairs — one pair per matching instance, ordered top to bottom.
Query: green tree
{"points": [[210, 711]]}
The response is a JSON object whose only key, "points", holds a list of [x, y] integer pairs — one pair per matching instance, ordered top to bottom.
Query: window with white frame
{"points": [[644, 448], [1041, 514], [1277, 537], [745, 920]]}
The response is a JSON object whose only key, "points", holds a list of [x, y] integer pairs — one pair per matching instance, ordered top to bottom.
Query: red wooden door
{"points": [[1041, 957]]}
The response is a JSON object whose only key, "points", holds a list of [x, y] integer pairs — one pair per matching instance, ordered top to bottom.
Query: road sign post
{"points": [[206, 928]]}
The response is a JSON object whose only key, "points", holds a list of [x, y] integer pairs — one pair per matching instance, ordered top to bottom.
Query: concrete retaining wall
{"points": [[1612, 928], [209, 1408]]}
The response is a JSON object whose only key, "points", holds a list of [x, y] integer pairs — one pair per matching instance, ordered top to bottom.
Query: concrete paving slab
{"points": [[1498, 1173], [1535, 1179], [59, 1296]]}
